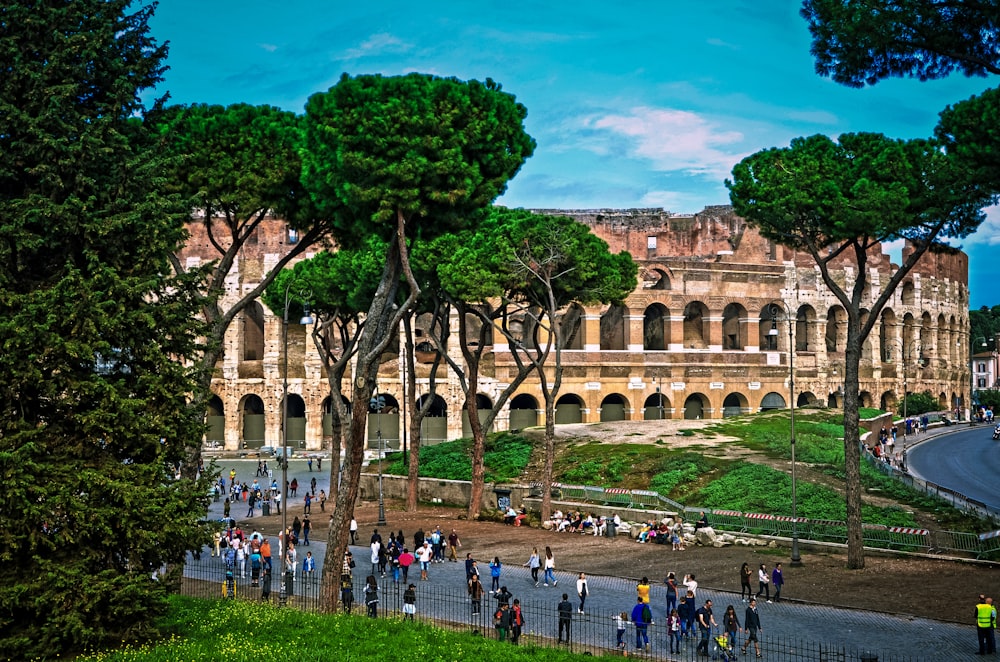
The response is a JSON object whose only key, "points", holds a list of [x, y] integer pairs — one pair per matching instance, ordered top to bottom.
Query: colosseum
{"points": [[705, 334]]}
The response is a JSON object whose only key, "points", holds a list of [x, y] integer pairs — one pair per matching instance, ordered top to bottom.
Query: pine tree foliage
{"points": [[94, 330]]}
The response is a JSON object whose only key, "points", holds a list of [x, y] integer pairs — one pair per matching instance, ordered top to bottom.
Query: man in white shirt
{"points": [[424, 555], [691, 584]]}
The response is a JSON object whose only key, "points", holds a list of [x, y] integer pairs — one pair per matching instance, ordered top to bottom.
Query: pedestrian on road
{"points": [[312, 486], [353, 527], [306, 528], [453, 544], [424, 555], [405, 561], [534, 563], [550, 567], [495, 568], [778, 580], [671, 582], [763, 582], [265, 584], [691, 585], [581, 589], [643, 590], [745, 591], [347, 592], [475, 594], [371, 596], [503, 596], [409, 602], [686, 612], [565, 617], [642, 617], [502, 620], [621, 621], [706, 621], [751, 621], [517, 622], [985, 622], [731, 624], [674, 631]]}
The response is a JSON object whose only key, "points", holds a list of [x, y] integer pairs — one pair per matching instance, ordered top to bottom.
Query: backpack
{"points": [[647, 615]]}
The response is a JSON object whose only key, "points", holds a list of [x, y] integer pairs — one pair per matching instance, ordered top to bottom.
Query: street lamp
{"points": [[775, 309], [306, 319], [377, 404]]}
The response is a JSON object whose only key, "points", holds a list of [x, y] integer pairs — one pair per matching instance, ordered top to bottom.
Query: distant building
{"points": [[696, 339]]}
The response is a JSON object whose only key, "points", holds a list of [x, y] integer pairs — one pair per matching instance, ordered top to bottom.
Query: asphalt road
{"points": [[965, 460]]}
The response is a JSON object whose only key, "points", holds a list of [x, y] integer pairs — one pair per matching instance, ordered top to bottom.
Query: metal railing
{"points": [[450, 607]]}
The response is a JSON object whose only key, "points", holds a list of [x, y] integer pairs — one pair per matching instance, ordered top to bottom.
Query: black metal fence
{"points": [[449, 607]]}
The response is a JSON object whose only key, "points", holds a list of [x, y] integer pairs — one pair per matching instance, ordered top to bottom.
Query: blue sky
{"points": [[633, 104]]}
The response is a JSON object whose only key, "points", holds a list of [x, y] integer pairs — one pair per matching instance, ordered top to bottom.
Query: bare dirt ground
{"points": [[892, 584]]}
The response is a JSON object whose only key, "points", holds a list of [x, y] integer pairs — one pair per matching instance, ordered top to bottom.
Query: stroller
{"points": [[723, 649]]}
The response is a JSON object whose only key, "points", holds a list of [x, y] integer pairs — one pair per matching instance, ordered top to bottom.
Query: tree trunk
{"points": [[376, 328], [478, 445], [852, 448], [550, 455]]}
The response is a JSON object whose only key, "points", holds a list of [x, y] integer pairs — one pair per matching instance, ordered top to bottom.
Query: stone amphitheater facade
{"points": [[704, 335]]}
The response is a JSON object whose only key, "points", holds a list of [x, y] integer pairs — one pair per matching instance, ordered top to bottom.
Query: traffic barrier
{"points": [[617, 496], [728, 520]]}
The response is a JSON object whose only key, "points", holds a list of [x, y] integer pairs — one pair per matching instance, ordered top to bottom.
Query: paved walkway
{"points": [[893, 636]]}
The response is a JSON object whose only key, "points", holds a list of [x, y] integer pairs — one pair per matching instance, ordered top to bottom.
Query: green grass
{"points": [[869, 412], [506, 456], [211, 630]]}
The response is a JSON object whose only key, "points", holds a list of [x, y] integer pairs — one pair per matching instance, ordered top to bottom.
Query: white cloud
{"points": [[715, 41], [376, 44], [270, 48], [672, 140], [989, 231]]}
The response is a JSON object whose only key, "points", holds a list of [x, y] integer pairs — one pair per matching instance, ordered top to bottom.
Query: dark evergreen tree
{"points": [[96, 334]]}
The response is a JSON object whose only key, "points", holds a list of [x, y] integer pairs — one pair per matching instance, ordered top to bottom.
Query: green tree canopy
{"points": [[860, 42], [435, 149], [404, 158], [837, 200], [96, 335]]}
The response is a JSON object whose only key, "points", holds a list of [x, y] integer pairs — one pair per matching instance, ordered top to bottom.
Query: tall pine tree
{"points": [[95, 333]]}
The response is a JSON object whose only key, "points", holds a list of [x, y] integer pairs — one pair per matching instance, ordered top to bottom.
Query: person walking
{"points": [[353, 527], [306, 528], [453, 544], [424, 555], [405, 561], [533, 564], [550, 567], [495, 568], [778, 580], [671, 582], [763, 582], [265, 584], [581, 589], [642, 589], [745, 591], [475, 594], [371, 596], [409, 602], [565, 610], [642, 618], [502, 619], [985, 620], [621, 621], [706, 621], [751, 621], [517, 622], [731, 625], [674, 631]]}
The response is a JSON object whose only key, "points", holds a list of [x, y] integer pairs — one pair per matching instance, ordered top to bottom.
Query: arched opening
{"points": [[660, 280], [907, 293], [696, 325], [571, 326], [613, 327], [734, 327], [656, 328], [805, 329], [836, 329], [476, 331], [769, 333], [887, 335], [926, 336], [911, 338], [943, 350], [251, 351], [806, 399], [865, 399], [833, 400], [943, 400], [772, 401], [888, 401], [735, 404], [483, 407], [656, 407], [695, 407], [613, 408], [327, 409], [569, 409], [523, 412], [215, 420], [296, 421], [383, 421], [253, 422], [434, 427]]}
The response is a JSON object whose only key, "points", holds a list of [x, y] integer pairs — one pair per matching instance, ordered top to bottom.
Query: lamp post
{"points": [[306, 319], [907, 350], [376, 405], [796, 559]]}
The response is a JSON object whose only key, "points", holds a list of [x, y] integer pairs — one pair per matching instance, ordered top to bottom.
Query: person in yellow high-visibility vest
{"points": [[984, 624]]}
